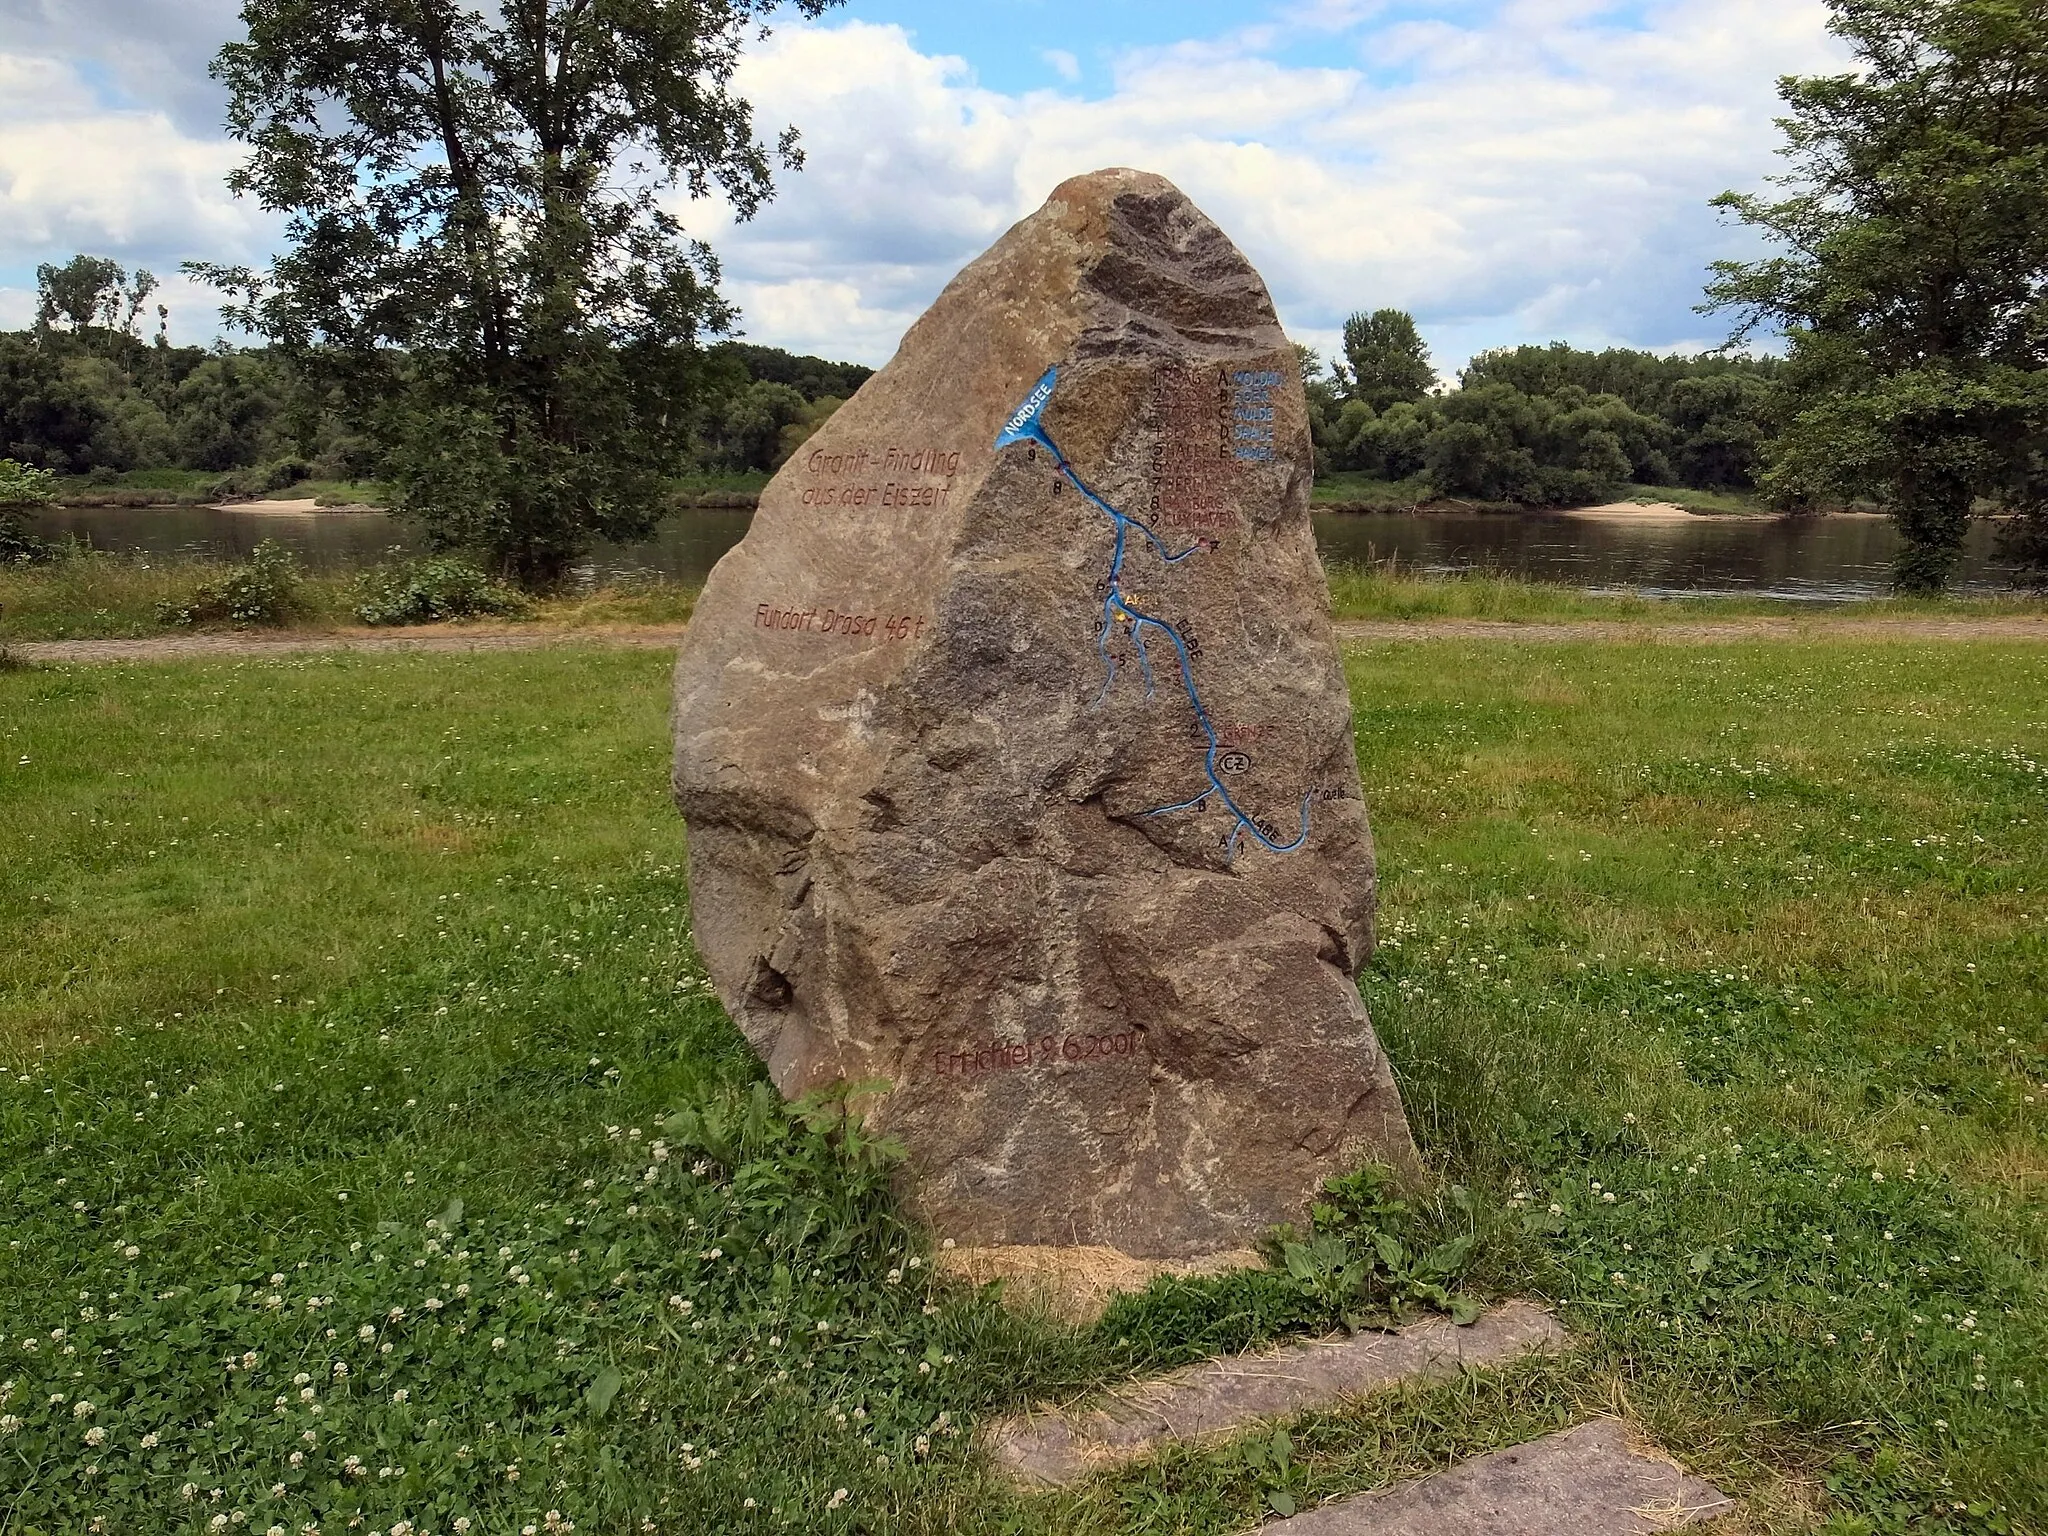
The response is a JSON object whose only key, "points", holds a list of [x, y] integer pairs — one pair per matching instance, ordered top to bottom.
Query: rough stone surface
{"points": [[984, 753], [1224, 1397], [1581, 1482]]}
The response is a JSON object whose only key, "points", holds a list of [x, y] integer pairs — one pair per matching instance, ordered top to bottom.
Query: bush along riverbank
{"points": [[86, 595]]}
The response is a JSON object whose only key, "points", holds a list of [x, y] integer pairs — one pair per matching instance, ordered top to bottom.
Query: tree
{"points": [[481, 262], [1912, 275], [89, 291], [1388, 362], [1563, 449]]}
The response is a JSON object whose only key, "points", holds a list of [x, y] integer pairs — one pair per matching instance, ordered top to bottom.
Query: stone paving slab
{"points": [[1222, 1397], [1580, 1482]]}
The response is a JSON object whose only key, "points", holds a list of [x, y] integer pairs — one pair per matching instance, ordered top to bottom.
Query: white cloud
{"points": [[1507, 169], [1536, 171], [121, 182]]}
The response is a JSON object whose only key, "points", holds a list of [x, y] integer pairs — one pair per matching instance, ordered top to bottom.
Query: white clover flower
{"points": [[131, 1252], [462, 1293], [366, 1333], [497, 1343], [301, 1379], [401, 1396], [82, 1409], [9, 1424], [95, 1437], [150, 1441], [297, 1458], [838, 1499], [462, 1525]]}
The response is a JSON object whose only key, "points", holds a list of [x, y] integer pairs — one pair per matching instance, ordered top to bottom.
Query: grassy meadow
{"points": [[108, 597], [376, 1160]]}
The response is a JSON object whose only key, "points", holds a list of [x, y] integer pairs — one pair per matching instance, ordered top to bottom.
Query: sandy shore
{"points": [[304, 507], [1637, 512]]}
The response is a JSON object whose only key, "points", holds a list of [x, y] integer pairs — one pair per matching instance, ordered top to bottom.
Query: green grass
{"points": [[1364, 493], [1386, 591], [100, 597], [110, 597], [115, 597], [304, 952]]}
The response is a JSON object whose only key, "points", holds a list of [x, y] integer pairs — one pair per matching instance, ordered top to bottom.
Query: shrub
{"points": [[262, 479], [21, 486], [20, 547], [263, 590], [431, 590]]}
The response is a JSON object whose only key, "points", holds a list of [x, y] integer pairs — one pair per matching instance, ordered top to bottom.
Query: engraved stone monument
{"points": [[1016, 755]]}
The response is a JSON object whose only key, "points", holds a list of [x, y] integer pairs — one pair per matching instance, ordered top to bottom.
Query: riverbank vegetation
{"points": [[86, 595], [370, 1110]]}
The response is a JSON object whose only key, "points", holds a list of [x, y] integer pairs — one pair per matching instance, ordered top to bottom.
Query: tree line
{"points": [[487, 299], [85, 393], [1538, 426]]}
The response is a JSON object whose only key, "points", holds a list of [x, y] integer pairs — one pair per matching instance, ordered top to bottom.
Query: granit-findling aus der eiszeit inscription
{"points": [[865, 477]]}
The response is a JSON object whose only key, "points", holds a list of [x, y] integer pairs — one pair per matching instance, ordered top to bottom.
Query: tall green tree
{"points": [[482, 260], [1911, 276], [92, 291], [1388, 362]]}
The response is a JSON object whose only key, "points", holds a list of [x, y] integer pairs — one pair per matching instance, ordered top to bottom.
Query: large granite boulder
{"points": [[1016, 755]]}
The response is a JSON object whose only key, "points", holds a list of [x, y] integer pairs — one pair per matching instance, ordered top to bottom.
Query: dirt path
{"points": [[663, 637]]}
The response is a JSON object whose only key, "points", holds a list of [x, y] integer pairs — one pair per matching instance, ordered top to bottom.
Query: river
{"points": [[1831, 559]]}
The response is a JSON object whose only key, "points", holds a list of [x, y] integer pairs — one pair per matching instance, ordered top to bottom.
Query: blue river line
{"points": [[1027, 425]]}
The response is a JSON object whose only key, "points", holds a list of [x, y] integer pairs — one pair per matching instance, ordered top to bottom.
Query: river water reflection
{"points": [[1826, 559]]}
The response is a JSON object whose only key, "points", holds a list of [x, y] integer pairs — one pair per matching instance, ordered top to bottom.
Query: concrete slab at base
{"points": [[1222, 1397], [1581, 1482]]}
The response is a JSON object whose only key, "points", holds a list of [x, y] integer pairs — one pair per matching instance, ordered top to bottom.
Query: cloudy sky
{"points": [[1509, 170]]}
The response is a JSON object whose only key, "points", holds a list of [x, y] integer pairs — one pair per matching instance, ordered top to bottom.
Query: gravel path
{"points": [[663, 637]]}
